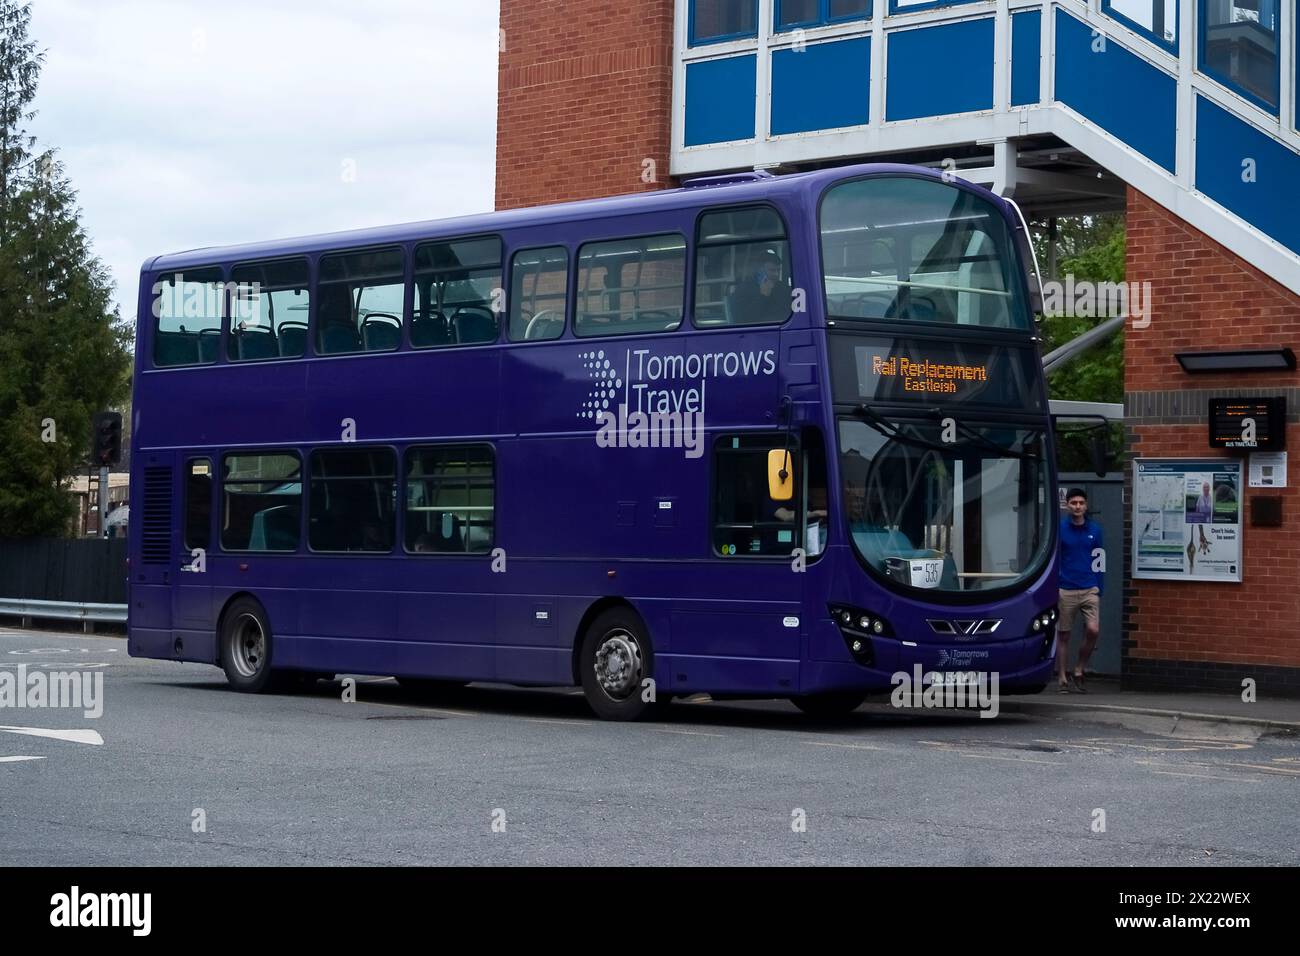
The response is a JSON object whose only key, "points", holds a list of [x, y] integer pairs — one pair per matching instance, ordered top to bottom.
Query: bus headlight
{"points": [[858, 627]]}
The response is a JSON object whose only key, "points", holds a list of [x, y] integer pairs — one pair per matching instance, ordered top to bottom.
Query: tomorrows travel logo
{"points": [[658, 401], [76, 690]]}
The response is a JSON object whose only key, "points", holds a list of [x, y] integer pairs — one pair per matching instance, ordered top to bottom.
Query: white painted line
{"points": [[562, 723], [686, 733], [71, 736], [827, 743], [18, 759], [1050, 763], [1266, 768], [1206, 776]]}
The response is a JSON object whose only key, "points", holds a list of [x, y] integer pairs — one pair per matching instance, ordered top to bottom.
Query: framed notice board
{"points": [[1187, 519]]}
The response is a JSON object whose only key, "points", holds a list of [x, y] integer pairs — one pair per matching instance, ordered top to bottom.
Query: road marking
{"points": [[70, 665], [562, 723], [687, 733], [71, 736], [827, 743], [18, 759], [1050, 763], [1265, 768], [1206, 776]]}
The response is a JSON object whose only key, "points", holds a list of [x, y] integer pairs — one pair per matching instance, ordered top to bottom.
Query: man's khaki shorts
{"points": [[1086, 602]]}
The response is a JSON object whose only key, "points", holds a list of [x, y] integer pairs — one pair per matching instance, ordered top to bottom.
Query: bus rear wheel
{"points": [[246, 647], [614, 661], [832, 705]]}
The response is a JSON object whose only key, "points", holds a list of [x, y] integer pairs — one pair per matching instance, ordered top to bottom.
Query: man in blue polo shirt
{"points": [[1081, 551]]}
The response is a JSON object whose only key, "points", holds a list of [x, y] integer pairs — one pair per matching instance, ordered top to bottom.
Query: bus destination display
{"points": [[933, 372]]}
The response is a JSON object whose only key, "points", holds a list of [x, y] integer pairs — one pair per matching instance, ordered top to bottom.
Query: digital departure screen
{"points": [[930, 371], [1250, 424]]}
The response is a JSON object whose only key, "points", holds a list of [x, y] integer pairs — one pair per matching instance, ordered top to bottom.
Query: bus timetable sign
{"points": [[1248, 424]]}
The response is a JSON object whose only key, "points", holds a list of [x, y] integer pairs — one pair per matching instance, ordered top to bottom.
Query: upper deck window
{"points": [[715, 20], [916, 250], [742, 268], [631, 285], [457, 292], [539, 294], [360, 302], [187, 309], [268, 310]]}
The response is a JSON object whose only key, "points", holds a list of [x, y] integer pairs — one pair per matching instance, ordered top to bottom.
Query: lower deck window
{"points": [[353, 493], [450, 493], [261, 502]]}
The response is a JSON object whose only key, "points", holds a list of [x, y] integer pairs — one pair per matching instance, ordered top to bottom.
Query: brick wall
{"points": [[584, 99], [1206, 298]]}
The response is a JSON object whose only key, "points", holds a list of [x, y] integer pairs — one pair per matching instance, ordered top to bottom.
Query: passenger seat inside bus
{"points": [[473, 324], [429, 328], [381, 332], [293, 339], [252, 344], [275, 529]]}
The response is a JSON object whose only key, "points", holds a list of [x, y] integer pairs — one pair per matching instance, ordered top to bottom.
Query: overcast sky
{"points": [[187, 123]]}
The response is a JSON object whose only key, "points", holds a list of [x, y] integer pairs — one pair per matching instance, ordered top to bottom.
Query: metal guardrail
{"points": [[64, 610]]}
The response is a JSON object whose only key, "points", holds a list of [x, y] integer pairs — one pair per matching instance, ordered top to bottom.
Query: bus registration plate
{"points": [[957, 679]]}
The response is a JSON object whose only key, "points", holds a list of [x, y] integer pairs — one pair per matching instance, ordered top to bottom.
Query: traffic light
{"points": [[107, 439]]}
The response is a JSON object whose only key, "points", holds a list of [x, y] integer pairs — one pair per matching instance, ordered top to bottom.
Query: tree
{"points": [[1093, 250], [63, 349]]}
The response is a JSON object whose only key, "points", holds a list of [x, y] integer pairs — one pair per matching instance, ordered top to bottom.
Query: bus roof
{"points": [[705, 191]]}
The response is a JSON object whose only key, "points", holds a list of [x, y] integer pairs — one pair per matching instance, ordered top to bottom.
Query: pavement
{"points": [[1105, 697]]}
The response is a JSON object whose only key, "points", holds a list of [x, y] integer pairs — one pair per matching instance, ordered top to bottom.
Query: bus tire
{"points": [[247, 648], [613, 661], [833, 705]]}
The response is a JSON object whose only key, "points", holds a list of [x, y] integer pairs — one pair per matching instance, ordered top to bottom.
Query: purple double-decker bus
{"points": [[757, 437]]}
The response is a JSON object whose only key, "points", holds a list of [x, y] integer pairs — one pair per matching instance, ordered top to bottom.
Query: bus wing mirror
{"points": [[1101, 459], [780, 475]]}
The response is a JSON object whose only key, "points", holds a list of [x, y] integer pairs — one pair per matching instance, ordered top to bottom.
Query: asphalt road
{"points": [[494, 775]]}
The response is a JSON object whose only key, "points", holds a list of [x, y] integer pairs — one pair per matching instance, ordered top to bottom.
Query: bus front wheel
{"points": [[246, 647], [615, 662], [836, 704]]}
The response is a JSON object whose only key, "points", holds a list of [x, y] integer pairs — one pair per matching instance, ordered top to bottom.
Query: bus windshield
{"points": [[916, 250], [970, 515]]}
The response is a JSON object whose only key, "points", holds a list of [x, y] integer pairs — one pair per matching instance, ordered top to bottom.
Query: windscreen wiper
{"points": [[894, 432], [987, 443]]}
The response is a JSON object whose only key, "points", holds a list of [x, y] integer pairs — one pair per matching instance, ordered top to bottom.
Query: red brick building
{"points": [[1200, 153]]}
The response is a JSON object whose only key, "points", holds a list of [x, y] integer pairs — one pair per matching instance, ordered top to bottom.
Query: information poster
{"points": [[1187, 519]]}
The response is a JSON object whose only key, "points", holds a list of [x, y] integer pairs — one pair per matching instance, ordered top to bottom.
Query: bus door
{"points": [[154, 515], [192, 543]]}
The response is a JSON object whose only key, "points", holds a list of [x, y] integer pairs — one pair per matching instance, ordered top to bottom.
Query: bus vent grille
{"points": [[156, 525]]}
